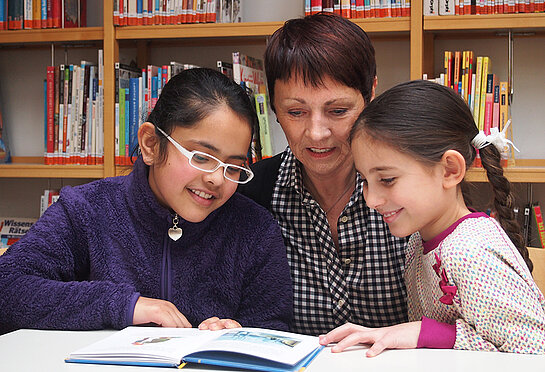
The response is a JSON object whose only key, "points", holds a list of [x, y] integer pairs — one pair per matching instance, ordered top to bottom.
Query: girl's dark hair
{"points": [[320, 45], [192, 95], [424, 119]]}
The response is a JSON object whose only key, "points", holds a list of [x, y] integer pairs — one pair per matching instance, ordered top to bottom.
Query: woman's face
{"points": [[317, 121], [193, 193]]}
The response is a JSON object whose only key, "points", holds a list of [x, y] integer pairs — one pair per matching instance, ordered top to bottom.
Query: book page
{"points": [[146, 344], [283, 347]]}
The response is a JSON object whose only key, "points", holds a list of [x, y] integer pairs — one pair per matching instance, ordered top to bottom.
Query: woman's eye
{"points": [[339, 112], [295, 113], [387, 181]]}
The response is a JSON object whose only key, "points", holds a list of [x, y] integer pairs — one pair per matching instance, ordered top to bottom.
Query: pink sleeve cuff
{"points": [[436, 335]]}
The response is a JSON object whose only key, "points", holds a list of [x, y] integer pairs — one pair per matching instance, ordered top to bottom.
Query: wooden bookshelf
{"points": [[485, 22], [419, 29], [243, 30], [52, 35], [34, 167]]}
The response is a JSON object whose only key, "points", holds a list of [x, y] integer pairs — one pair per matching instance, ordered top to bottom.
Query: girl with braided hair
{"points": [[468, 276]]}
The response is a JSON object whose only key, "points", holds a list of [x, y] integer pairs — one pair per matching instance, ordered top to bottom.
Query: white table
{"points": [[33, 350]]}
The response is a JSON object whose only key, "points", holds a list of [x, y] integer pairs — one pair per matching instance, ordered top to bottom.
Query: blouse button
{"points": [[344, 219], [347, 261], [340, 303]]}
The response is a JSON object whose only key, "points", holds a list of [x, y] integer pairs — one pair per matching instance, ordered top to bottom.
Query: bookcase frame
{"points": [[420, 30]]}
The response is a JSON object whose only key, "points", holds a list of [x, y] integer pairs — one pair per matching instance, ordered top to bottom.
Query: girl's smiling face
{"points": [[190, 192], [408, 193]]}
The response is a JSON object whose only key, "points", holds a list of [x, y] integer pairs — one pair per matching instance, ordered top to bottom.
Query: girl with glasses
{"points": [[171, 243]]}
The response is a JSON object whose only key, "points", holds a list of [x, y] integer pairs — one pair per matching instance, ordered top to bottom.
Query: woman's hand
{"points": [[160, 312], [215, 324], [400, 336]]}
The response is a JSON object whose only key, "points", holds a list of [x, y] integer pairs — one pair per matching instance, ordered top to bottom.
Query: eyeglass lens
{"points": [[205, 162]]}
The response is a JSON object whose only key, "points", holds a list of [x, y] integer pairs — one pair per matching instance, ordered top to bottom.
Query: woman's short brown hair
{"points": [[320, 45]]}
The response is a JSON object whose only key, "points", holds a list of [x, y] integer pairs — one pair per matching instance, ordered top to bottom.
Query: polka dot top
{"points": [[472, 275]]}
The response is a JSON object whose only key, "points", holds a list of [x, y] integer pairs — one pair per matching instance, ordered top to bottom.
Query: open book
{"points": [[249, 348]]}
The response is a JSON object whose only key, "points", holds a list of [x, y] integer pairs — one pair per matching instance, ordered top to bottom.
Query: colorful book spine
{"points": [[15, 14], [484, 77], [477, 99], [261, 103], [489, 103], [504, 104], [496, 107], [50, 113], [134, 113], [121, 127], [538, 217]]}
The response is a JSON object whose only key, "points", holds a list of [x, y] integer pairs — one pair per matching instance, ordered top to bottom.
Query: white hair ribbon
{"points": [[495, 138]]}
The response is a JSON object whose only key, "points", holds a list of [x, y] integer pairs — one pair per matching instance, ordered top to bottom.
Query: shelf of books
{"points": [[485, 22], [243, 30], [52, 35]]}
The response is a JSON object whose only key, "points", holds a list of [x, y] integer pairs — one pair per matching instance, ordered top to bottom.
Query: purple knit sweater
{"points": [[101, 245]]}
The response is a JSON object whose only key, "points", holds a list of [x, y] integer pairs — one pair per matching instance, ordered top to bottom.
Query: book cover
{"points": [[13, 229], [247, 348]]}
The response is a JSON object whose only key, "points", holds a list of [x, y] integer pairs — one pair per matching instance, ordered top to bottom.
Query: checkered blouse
{"points": [[362, 283]]}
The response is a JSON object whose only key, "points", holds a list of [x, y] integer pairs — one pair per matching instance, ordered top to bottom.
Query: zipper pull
{"points": [[175, 232]]}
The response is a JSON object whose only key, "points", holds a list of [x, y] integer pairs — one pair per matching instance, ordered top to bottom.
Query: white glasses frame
{"points": [[189, 155]]}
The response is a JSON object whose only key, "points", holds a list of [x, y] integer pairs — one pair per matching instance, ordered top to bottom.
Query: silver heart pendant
{"points": [[175, 233]]}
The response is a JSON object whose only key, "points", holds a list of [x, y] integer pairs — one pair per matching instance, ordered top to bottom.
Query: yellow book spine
{"points": [[465, 64], [486, 68], [477, 100]]}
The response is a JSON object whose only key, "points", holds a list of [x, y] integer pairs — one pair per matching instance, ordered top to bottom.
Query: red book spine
{"points": [[360, 4], [315, 6], [56, 10], [83, 13], [49, 21]]}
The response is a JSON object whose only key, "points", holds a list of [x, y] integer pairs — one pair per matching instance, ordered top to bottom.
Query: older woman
{"points": [[345, 264]]}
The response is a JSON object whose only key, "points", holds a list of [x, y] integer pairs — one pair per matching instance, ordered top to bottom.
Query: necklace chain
{"points": [[339, 199]]}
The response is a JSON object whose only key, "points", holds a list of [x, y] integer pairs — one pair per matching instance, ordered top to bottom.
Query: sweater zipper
{"points": [[166, 264]]}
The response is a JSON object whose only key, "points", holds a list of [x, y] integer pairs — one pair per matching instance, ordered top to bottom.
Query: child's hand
{"points": [[160, 312], [215, 324], [400, 336]]}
